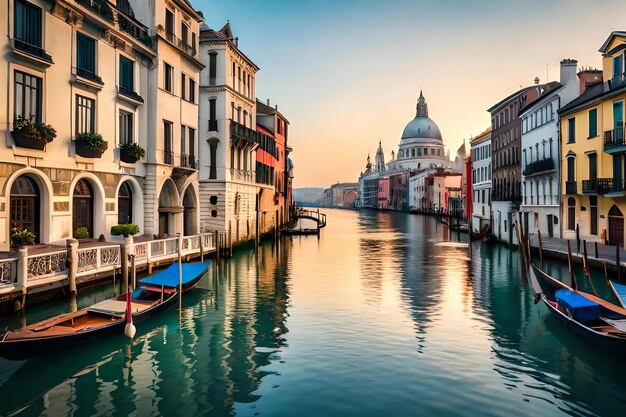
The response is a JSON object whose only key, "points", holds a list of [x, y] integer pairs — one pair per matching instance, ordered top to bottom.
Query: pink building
{"points": [[383, 193]]}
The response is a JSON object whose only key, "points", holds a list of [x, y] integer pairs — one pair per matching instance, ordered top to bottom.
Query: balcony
{"points": [[100, 7], [137, 31], [176, 42], [31, 51], [617, 81], [129, 95], [242, 136], [614, 141], [168, 157], [188, 161], [541, 165], [571, 187], [610, 187]]}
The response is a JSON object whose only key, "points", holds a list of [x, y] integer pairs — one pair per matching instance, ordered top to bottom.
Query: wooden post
{"points": [[577, 238], [595, 244], [217, 245], [201, 249], [540, 249], [124, 258], [72, 260], [585, 260], [618, 264], [133, 270], [571, 270], [180, 274], [606, 274], [114, 284]]}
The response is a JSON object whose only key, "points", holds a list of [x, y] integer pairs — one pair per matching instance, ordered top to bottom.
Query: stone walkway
{"points": [[558, 248]]}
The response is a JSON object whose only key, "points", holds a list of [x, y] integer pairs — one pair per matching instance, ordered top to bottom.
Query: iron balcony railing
{"points": [[100, 7], [126, 24], [177, 42], [33, 50], [91, 76], [618, 81], [129, 93], [241, 132], [614, 138], [168, 157], [188, 161], [539, 166], [603, 186], [571, 187]]}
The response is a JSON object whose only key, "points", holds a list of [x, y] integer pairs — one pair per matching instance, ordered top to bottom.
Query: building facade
{"points": [[82, 70], [229, 139], [592, 152], [540, 154], [506, 158], [481, 180]]}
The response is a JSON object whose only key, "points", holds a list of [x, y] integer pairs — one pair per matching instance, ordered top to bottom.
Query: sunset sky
{"points": [[348, 73]]}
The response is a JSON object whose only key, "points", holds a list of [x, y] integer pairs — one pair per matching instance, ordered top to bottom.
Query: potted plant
{"points": [[32, 135], [90, 145], [131, 152], [125, 230], [81, 233], [21, 238]]}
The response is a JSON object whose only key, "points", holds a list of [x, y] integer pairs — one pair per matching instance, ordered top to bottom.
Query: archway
{"points": [[125, 204], [24, 205], [168, 207], [82, 213], [190, 223], [616, 226]]}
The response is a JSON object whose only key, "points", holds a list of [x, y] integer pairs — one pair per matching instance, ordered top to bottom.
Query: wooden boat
{"points": [[619, 290], [155, 294], [596, 320]]}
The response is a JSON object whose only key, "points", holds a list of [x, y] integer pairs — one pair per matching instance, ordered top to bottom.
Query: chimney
{"points": [[237, 42], [568, 71], [589, 77], [536, 80], [268, 101], [276, 107]]}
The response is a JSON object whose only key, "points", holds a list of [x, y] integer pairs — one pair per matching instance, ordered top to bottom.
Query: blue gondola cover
{"points": [[170, 276], [581, 309]]}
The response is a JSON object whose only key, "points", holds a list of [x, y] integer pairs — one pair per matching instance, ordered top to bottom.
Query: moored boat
{"points": [[155, 293], [596, 320]]}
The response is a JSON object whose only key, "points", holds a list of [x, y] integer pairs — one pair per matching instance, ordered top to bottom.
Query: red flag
{"points": [[129, 311]]}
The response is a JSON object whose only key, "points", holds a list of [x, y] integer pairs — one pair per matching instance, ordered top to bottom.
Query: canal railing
{"points": [[320, 218], [35, 272]]}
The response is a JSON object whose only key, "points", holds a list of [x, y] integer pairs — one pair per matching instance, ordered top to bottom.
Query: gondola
{"points": [[619, 290], [154, 294], [601, 323]]}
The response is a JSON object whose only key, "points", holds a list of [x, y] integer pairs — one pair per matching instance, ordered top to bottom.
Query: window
{"points": [[169, 24], [27, 27], [184, 34], [85, 56], [617, 65], [212, 67], [169, 78], [127, 81], [183, 87], [192, 90], [27, 100], [85, 114], [212, 119], [593, 123], [126, 127], [571, 130], [168, 131], [183, 142], [191, 149], [593, 166], [571, 169], [125, 204], [593, 209], [571, 214]]}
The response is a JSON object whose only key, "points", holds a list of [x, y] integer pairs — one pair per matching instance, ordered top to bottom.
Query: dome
{"points": [[422, 127]]}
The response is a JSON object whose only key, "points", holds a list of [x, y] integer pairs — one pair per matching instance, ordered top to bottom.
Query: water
{"points": [[385, 315]]}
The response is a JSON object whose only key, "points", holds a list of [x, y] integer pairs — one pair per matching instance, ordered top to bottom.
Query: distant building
{"points": [[540, 154], [481, 180], [308, 196]]}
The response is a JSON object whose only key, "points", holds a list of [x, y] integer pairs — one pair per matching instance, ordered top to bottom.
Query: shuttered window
{"points": [[27, 23], [85, 53], [127, 74], [593, 123]]}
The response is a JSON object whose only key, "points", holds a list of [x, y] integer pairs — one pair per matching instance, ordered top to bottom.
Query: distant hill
{"points": [[307, 195]]}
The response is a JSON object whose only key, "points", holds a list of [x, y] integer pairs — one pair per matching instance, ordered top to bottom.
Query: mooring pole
{"points": [[540, 249], [618, 264], [571, 270]]}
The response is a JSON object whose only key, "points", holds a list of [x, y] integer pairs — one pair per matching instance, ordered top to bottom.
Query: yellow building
{"points": [[592, 151]]}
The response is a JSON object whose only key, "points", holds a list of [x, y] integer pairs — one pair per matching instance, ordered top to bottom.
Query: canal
{"points": [[387, 314]]}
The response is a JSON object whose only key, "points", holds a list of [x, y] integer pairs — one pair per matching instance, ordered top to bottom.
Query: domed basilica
{"points": [[421, 144]]}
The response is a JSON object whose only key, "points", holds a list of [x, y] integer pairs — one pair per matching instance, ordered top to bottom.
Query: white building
{"points": [[79, 67], [229, 138], [540, 154], [481, 180], [171, 188]]}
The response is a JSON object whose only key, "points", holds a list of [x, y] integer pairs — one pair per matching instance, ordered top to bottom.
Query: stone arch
{"points": [[190, 199], [137, 200], [45, 202], [169, 207], [98, 220], [616, 226]]}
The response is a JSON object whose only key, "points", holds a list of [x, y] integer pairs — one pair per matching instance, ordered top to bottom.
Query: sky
{"points": [[347, 73]]}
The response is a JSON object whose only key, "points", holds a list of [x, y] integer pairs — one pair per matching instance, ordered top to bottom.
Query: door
{"points": [[24, 206], [82, 215], [164, 224], [550, 226], [616, 227]]}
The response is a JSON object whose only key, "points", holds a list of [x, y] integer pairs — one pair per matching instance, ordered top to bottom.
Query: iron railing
{"points": [[32, 50], [91, 76], [129, 93], [242, 133], [614, 138], [188, 161], [539, 166]]}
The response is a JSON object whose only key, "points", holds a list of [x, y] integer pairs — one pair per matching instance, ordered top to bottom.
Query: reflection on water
{"points": [[387, 314]]}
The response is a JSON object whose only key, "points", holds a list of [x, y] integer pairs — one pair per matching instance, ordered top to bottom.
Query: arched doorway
{"points": [[125, 204], [24, 205], [168, 207], [82, 213], [190, 226], [616, 226]]}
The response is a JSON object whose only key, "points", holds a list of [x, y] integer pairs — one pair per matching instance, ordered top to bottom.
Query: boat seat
{"points": [[118, 308], [618, 324]]}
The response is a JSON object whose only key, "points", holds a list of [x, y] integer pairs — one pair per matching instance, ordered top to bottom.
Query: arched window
{"points": [[413, 152], [125, 204], [24, 205], [82, 215]]}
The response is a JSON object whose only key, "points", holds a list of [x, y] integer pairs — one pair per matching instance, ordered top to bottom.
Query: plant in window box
{"points": [[32, 135], [90, 145], [131, 152], [125, 230], [81, 233], [21, 238]]}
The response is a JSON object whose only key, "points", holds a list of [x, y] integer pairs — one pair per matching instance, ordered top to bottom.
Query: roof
{"points": [[187, 7], [225, 34], [608, 41], [592, 94], [541, 98], [499, 104], [265, 109], [481, 136]]}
